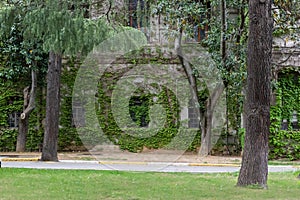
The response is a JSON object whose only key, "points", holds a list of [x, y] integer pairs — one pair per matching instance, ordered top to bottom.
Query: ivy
{"points": [[138, 132], [285, 143]]}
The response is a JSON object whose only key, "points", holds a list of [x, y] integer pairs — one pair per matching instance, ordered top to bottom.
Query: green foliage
{"points": [[181, 14], [286, 18], [59, 26], [63, 27], [18, 58], [10, 101], [134, 137], [68, 138], [8, 139], [285, 143]]}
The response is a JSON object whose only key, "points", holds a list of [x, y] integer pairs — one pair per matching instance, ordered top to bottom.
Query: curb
{"points": [[79, 161], [122, 162], [169, 163], [214, 165]]}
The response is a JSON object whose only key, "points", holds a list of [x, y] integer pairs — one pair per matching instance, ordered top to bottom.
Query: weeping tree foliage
{"points": [[64, 28]]}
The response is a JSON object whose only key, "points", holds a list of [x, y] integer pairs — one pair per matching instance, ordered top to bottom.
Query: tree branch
{"points": [[31, 105]]}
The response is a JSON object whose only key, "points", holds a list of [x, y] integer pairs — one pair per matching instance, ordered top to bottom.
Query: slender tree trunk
{"points": [[29, 105], [206, 117], [207, 120], [49, 152], [254, 170]]}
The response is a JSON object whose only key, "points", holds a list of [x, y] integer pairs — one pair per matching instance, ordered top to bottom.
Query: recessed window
{"points": [[139, 110], [78, 115], [193, 115], [13, 120]]}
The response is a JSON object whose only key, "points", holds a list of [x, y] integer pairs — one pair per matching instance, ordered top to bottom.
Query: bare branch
{"points": [[31, 104]]}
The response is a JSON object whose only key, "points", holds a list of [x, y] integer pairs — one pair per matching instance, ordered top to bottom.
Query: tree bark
{"points": [[29, 105], [49, 152], [254, 170]]}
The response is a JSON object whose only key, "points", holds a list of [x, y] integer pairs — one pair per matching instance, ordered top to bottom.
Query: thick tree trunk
{"points": [[29, 105], [49, 152], [254, 170]]}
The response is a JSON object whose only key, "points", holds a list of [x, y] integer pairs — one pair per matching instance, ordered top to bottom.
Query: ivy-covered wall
{"points": [[11, 100], [138, 133], [284, 135], [283, 143]]}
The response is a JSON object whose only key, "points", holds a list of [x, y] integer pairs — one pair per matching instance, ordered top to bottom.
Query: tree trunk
{"points": [[29, 105], [207, 120], [206, 126], [22, 134], [49, 152], [254, 170]]}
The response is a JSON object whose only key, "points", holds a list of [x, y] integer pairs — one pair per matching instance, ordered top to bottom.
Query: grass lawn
{"points": [[34, 184]]}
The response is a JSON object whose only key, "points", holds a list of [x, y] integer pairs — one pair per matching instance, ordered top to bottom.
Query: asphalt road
{"points": [[151, 167]]}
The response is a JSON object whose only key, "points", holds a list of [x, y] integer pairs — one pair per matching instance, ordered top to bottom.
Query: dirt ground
{"points": [[113, 153], [168, 156]]}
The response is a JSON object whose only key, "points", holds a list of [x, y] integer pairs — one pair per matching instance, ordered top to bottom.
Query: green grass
{"points": [[88, 184]]}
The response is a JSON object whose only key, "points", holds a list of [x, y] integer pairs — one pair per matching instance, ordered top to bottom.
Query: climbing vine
{"points": [[284, 135]]}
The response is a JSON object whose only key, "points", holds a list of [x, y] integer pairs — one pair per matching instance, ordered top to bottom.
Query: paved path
{"points": [[138, 166]]}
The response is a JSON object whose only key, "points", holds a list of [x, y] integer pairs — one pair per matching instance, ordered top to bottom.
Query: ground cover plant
{"points": [[89, 184]]}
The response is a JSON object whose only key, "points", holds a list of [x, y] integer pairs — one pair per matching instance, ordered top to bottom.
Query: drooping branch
{"points": [[31, 103]]}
